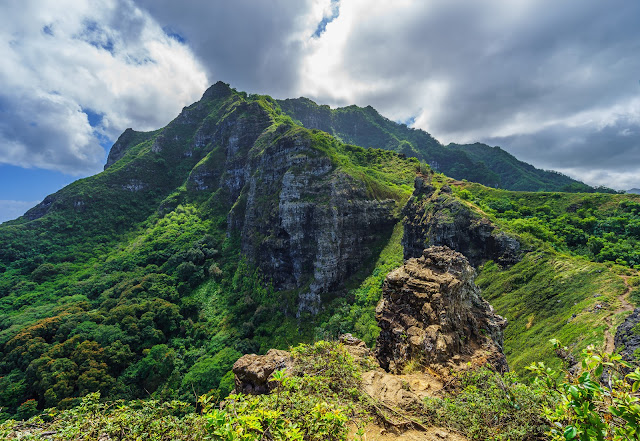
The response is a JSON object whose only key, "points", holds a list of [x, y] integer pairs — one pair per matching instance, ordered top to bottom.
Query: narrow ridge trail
{"points": [[625, 306]]}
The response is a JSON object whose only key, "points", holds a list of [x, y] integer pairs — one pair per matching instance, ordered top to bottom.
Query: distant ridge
{"points": [[490, 166]]}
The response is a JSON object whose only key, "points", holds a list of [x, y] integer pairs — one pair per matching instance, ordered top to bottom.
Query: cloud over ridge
{"points": [[64, 57], [556, 84]]}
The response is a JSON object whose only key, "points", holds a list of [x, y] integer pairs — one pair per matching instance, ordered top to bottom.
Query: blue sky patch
{"points": [[322, 26], [171, 33], [97, 37], [95, 119], [408, 122], [34, 183]]}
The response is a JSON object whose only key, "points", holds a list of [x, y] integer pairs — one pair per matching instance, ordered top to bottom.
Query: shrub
{"points": [[465, 194], [328, 361], [597, 402], [489, 406]]}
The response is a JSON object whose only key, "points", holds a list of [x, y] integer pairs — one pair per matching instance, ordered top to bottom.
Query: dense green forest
{"points": [[600, 227]]}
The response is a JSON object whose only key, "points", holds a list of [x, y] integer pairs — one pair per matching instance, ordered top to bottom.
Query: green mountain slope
{"points": [[490, 166], [518, 175], [226, 232], [573, 280]]}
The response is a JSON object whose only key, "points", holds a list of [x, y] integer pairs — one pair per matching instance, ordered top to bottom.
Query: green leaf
{"points": [[599, 370], [574, 392], [570, 432]]}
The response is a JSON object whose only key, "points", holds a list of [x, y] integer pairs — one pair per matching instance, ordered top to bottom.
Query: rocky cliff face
{"points": [[128, 139], [434, 217], [303, 221], [308, 225], [431, 311], [627, 339]]}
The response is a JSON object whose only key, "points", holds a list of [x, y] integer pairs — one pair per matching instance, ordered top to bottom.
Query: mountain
{"points": [[480, 163], [634, 191], [234, 229], [225, 232]]}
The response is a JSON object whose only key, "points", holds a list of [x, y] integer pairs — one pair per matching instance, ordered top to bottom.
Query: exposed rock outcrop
{"points": [[128, 139], [435, 217], [305, 223], [431, 311], [627, 339], [253, 372]]}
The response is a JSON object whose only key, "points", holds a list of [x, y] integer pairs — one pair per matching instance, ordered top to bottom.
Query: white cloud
{"points": [[255, 45], [64, 58], [493, 70], [13, 209]]}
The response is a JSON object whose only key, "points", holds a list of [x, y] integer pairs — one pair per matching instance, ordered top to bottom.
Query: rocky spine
{"points": [[431, 312]]}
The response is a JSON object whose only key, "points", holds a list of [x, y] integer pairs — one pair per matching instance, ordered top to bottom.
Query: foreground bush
{"points": [[322, 393], [313, 402], [598, 402], [488, 406], [93, 420]]}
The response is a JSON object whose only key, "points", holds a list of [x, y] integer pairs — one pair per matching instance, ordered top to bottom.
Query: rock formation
{"points": [[435, 217], [308, 225], [431, 312], [627, 339], [253, 372]]}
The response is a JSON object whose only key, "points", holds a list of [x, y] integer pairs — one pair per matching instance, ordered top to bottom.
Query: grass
{"points": [[550, 295]]}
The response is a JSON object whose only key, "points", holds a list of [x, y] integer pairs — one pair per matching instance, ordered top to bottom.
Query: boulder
{"points": [[627, 339], [356, 348], [253, 372]]}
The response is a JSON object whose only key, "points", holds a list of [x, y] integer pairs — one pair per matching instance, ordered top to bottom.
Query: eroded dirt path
{"points": [[625, 306], [393, 396]]}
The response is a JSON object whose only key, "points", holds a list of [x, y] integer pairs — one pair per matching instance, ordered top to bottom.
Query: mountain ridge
{"points": [[477, 162], [235, 229]]}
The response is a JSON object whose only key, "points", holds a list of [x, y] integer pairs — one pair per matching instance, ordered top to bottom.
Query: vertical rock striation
{"points": [[435, 217], [305, 223], [627, 339]]}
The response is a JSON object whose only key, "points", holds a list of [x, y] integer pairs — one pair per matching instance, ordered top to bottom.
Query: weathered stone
{"points": [[120, 147], [41, 209], [438, 218], [306, 224], [431, 311], [627, 339], [357, 349], [253, 372]]}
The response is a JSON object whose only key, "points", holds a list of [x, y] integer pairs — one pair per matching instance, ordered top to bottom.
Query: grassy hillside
{"points": [[570, 284]]}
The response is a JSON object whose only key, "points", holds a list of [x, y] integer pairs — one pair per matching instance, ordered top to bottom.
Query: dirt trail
{"points": [[625, 306], [394, 396], [374, 432]]}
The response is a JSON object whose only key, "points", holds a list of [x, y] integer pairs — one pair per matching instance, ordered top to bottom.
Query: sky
{"points": [[557, 84]]}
